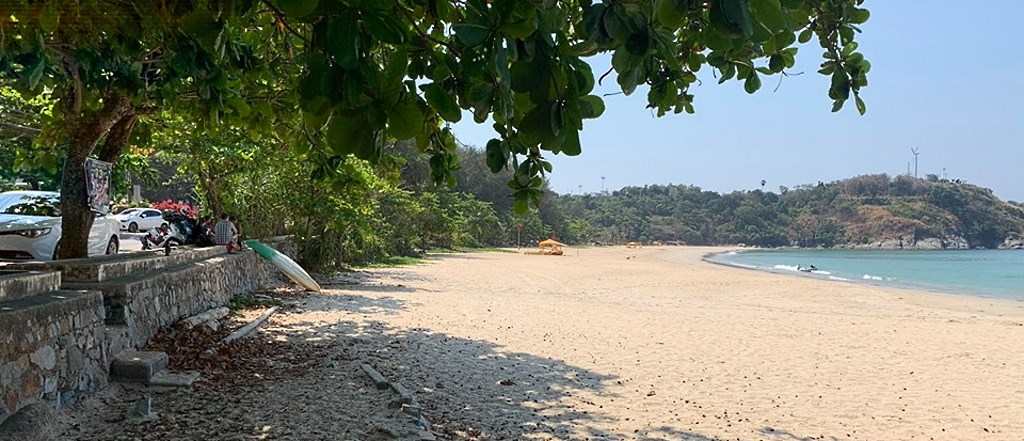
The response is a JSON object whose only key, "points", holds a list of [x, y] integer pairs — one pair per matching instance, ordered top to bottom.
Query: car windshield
{"points": [[30, 204], [128, 211]]}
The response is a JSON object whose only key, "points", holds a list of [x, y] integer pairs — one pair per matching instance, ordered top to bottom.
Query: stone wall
{"points": [[150, 302], [57, 344], [51, 349]]}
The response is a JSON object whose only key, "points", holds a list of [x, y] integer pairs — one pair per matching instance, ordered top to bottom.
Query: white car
{"points": [[140, 219], [30, 227]]}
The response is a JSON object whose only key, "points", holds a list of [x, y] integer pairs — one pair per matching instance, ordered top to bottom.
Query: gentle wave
{"points": [[746, 266], [797, 268], [989, 272]]}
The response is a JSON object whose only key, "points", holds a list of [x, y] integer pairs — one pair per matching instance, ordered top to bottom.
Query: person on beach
{"points": [[226, 233]]}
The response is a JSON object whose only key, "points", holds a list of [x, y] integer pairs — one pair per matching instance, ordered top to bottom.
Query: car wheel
{"points": [[133, 227], [113, 246], [56, 250]]}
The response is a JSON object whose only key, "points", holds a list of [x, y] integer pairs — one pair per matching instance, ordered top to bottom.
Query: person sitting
{"points": [[226, 233]]}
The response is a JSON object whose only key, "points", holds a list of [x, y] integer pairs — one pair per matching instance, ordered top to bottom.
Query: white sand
{"points": [[653, 343]]}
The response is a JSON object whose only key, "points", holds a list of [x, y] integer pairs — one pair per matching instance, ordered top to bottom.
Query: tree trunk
{"points": [[85, 133], [212, 187]]}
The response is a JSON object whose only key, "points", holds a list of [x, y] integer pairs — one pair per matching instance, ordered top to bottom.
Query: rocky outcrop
{"points": [[929, 243], [1012, 243]]}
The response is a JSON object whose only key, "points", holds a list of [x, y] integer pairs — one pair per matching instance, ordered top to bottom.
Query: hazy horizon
{"points": [[951, 97]]}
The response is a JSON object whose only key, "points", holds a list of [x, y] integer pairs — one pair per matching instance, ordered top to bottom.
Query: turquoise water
{"points": [[979, 272]]}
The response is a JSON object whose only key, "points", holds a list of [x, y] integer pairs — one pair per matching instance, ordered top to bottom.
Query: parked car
{"points": [[140, 219], [30, 227]]}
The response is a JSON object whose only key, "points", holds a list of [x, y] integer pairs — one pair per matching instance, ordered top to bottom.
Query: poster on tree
{"points": [[97, 184]]}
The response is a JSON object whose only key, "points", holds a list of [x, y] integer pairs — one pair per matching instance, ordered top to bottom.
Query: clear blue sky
{"points": [[947, 77]]}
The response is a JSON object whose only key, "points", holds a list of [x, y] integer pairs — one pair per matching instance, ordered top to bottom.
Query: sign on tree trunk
{"points": [[97, 178]]}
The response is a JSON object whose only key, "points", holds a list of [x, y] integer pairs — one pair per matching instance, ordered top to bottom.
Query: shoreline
{"points": [[908, 287]]}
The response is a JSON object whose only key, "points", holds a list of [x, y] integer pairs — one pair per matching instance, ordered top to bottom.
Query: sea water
{"points": [[997, 273]]}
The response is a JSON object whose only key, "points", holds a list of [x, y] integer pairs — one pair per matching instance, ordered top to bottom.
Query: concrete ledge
{"points": [[99, 269], [20, 284]]}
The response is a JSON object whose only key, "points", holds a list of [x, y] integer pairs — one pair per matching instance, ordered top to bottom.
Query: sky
{"points": [[947, 78]]}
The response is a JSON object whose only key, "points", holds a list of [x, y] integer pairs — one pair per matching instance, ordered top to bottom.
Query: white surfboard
{"points": [[285, 264]]}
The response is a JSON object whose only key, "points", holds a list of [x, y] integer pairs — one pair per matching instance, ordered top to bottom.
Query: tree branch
{"points": [[280, 18], [117, 138]]}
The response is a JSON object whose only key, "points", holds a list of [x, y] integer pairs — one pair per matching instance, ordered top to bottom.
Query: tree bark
{"points": [[85, 132], [117, 139], [211, 186], [213, 197]]}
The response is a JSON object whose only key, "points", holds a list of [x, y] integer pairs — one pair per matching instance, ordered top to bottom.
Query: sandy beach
{"points": [[616, 343], [653, 343]]}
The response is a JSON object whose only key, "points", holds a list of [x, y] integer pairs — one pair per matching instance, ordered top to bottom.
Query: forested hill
{"points": [[868, 211]]}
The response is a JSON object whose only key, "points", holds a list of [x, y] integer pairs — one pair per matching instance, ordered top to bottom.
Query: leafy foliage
{"points": [[330, 78], [860, 210]]}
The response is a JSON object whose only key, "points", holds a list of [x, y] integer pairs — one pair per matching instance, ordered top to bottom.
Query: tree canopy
{"points": [[329, 78]]}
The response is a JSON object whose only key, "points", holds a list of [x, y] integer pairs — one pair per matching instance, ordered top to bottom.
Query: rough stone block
{"points": [[137, 366]]}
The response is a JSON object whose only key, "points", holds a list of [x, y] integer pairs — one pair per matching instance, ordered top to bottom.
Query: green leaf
{"points": [[297, 8], [670, 13], [737, 13], [769, 13], [858, 16], [49, 17], [385, 28], [522, 28], [471, 34], [805, 35], [343, 42], [35, 73], [752, 84], [840, 89], [443, 102], [591, 106], [861, 107], [405, 120], [351, 134], [571, 143], [497, 156], [521, 204]]}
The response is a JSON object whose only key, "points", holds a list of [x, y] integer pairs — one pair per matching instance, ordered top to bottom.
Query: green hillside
{"points": [[866, 211]]}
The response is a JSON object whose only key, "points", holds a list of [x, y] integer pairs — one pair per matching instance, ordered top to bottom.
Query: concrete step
{"points": [[16, 284], [137, 366], [149, 368], [174, 379]]}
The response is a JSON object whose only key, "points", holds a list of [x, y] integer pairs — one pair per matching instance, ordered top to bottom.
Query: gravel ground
{"points": [[288, 382]]}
